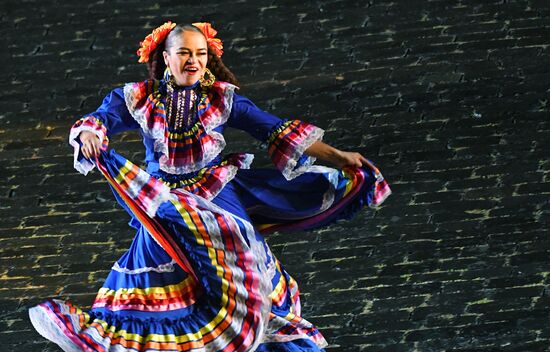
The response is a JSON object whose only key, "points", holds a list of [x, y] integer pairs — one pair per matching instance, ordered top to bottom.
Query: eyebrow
{"points": [[183, 48]]}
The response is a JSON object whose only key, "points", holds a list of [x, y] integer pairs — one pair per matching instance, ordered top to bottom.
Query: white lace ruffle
{"points": [[161, 141], [83, 165], [290, 171], [232, 172], [135, 187], [328, 196], [162, 197], [327, 202], [161, 268], [265, 272], [278, 322], [46, 326], [287, 338]]}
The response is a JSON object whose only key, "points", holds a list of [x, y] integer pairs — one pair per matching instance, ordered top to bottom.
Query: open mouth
{"points": [[191, 70]]}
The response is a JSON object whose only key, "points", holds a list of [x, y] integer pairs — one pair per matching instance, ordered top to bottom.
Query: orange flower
{"points": [[209, 32], [151, 42]]}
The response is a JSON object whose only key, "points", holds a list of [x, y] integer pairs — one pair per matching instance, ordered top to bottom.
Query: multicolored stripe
{"points": [[94, 125], [286, 146], [181, 152], [211, 180], [381, 188], [146, 191], [355, 192], [205, 239], [165, 240], [242, 296], [150, 299], [290, 325]]}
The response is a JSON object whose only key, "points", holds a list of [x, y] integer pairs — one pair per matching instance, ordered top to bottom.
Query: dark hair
{"points": [[156, 65]]}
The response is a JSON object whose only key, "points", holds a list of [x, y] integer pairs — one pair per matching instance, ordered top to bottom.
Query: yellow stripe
{"points": [[124, 170], [349, 183], [219, 271], [280, 285], [145, 291], [171, 337]]}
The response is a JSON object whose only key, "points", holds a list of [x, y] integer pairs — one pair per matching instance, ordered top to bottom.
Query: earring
{"points": [[167, 74], [207, 82]]}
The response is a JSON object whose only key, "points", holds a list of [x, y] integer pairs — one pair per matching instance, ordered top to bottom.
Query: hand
{"points": [[90, 144], [336, 156], [350, 159]]}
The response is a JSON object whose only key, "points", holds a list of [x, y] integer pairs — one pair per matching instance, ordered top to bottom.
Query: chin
{"points": [[187, 82]]}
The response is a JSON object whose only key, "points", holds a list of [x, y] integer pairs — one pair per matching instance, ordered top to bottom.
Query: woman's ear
{"points": [[165, 56]]}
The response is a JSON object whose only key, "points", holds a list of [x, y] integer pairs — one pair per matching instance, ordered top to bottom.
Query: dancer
{"points": [[199, 275]]}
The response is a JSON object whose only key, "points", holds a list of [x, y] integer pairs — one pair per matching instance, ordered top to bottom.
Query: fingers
{"points": [[90, 148], [96, 149], [354, 159], [360, 160]]}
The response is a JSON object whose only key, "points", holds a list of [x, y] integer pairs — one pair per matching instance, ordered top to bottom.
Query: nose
{"points": [[191, 58]]}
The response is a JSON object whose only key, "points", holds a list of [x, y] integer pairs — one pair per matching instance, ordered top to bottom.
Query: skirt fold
{"points": [[199, 276]]}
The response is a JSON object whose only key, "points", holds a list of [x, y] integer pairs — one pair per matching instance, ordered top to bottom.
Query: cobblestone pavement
{"points": [[449, 98]]}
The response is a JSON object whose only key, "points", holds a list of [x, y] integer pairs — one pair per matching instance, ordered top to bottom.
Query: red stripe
{"points": [[358, 180], [166, 241]]}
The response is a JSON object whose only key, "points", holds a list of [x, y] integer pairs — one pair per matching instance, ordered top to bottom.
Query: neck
{"points": [[175, 85], [181, 105]]}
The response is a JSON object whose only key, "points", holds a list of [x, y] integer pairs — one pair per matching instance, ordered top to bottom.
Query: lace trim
{"points": [[140, 115], [94, 125], [159, 135], [290, 171], [231, 173], [204, 176], [162, 197], [328, 197], [326, 203], [161, 268], [264, 271], [277, 323], [46, 324], [321, 343]]}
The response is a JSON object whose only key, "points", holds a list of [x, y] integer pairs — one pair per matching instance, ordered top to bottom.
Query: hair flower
{"points": [[210, 33], [151, 41]]}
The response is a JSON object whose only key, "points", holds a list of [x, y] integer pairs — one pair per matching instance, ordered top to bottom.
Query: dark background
{"points": [[448, 98]]}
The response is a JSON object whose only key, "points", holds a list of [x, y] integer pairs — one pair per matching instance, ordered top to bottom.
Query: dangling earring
{"points": [[167, 75], [207, 82]]}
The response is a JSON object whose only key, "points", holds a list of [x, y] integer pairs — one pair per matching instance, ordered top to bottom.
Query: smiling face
{"points": [[187, 56]]}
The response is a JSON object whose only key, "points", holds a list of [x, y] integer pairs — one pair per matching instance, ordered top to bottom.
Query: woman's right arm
{"points": [[90, 134]]}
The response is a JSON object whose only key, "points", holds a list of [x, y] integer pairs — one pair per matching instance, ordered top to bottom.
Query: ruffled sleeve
{"points": [[110, 118], [286, 139]]}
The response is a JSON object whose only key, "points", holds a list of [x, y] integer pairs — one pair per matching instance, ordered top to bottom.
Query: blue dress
{"points": [[199, 275]]}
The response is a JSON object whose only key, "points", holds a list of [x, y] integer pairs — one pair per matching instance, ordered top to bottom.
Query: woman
{"points": [[198, 275]]}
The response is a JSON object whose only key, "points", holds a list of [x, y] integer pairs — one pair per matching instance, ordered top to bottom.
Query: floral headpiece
{"points": [[210, 33], [152, 41]]}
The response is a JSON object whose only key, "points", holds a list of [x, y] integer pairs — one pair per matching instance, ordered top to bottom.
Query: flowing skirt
{"points": [[199, 275]]}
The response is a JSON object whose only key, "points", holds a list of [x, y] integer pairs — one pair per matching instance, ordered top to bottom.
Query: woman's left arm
{"points": [[323, 151]]}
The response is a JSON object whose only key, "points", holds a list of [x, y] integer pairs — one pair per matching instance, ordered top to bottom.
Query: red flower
{"points": [[210, 33], [151, 42]]}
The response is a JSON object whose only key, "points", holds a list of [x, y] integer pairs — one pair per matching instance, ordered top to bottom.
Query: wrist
{"points": [[334, 155]]}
